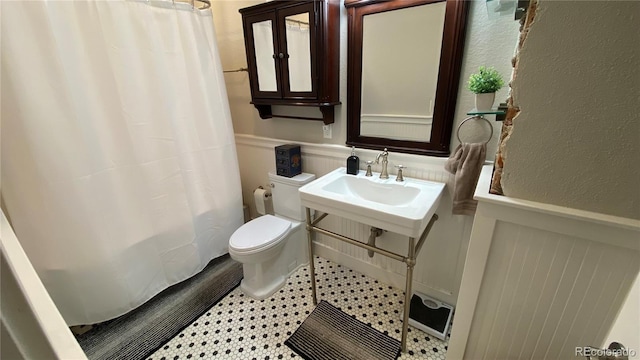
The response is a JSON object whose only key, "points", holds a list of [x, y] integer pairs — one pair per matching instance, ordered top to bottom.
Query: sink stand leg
{"points": [[411, 262], [312, 269]]}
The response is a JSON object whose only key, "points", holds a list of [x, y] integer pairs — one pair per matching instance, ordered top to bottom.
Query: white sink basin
{"points": [[401, 207]]}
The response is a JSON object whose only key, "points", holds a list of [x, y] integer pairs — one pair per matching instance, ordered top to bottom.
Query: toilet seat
{"points": [[259, 234]]}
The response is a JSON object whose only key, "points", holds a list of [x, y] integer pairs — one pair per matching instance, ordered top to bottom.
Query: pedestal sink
{"points": [[401, 207], [406, 208]]}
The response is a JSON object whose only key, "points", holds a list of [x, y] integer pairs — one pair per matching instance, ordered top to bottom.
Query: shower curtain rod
{"points": [[297, 21], [236, 70]]}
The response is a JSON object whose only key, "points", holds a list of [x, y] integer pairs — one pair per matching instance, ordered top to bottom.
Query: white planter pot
{"points": [[484, 102]]}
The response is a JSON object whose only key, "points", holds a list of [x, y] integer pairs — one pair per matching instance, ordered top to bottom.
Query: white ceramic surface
{"points": [[401, 207]]}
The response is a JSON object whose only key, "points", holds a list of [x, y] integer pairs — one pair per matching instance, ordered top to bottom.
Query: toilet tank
{"points": [[286, 199]]}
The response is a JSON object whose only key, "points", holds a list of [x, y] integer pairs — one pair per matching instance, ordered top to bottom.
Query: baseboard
{"points": [[378, 273]]}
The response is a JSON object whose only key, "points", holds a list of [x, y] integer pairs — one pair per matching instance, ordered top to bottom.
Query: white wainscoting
{"points": [[401, 127], [438, 271], [541, 280]]}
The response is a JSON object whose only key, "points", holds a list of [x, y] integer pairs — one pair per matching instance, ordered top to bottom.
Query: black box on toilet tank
{"points": [[288, 160]]}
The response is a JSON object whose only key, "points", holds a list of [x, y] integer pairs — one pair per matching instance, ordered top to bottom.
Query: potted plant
{"points": [[484, 84]]}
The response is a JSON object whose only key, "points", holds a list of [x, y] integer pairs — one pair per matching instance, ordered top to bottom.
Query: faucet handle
{"points": [[400, 168], [369, 173]]}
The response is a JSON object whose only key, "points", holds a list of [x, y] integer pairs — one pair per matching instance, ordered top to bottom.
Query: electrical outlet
{"points": [[326, 131]]}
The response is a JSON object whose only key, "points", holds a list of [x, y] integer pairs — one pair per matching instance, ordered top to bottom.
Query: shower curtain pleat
{"points": [[119, 166]]}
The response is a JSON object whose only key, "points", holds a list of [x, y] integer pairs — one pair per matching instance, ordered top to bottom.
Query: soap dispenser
{"points": [[353, 163]]}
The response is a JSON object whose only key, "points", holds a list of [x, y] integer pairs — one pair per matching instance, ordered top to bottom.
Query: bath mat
{"points": [[142, 331], [330, 334]]}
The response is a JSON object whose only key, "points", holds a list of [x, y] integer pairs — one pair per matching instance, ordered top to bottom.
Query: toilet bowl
{"points": [[271, 247]]}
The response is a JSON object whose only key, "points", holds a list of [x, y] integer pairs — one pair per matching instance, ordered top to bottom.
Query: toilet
{"points": [[271, 247]]}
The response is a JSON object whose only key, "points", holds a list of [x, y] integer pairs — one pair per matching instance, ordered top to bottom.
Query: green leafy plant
{"points": [[486, 80]]}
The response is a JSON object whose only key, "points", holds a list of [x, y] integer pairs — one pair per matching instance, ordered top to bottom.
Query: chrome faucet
{"points": [[384, 174]]}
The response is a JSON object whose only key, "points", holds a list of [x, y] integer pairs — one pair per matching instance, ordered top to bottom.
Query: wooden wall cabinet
{"points": [[293, 55]]}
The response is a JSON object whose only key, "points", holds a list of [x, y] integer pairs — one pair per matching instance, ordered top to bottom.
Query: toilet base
{"points": [[265, 273], [262, 292]]}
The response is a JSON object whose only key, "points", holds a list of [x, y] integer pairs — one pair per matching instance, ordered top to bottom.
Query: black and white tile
{"points": [[239, 327]]}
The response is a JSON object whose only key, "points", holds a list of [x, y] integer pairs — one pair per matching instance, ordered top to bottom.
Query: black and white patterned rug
{"points": [[140, 332], [330, 334]]}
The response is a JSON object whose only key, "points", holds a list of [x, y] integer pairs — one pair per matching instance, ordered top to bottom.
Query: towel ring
{"points": [[472, 118]]}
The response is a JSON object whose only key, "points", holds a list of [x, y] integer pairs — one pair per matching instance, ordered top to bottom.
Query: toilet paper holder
{"points": [[268, 194], [263, 200]]}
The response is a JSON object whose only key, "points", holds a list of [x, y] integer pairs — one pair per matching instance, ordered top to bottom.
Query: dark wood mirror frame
{"points": [[448, 76]]}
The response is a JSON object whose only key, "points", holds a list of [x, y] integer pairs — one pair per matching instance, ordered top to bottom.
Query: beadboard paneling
{"points": [[401, 127], [439, 266], [541, 280], [545, 294]]}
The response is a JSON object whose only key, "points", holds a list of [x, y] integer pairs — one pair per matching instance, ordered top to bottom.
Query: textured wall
{"points": [[489, 41], [575, 141]]}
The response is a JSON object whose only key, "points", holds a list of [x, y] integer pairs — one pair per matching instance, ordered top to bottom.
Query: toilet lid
{"points": [[259, 232]]}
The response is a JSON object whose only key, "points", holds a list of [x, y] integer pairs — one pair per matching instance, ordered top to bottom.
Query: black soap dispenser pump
{"points": [[353, 162]]}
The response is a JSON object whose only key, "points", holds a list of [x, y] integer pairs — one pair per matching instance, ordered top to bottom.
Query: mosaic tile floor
{"points": [[239, 327]]}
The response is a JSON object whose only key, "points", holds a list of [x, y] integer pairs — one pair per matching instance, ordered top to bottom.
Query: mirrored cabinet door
{"points": [[298, 34], [262, 36], [263, 44], [299, 66]]}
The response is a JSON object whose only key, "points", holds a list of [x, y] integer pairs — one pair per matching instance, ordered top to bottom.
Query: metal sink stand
{"points": [[409, 259]]}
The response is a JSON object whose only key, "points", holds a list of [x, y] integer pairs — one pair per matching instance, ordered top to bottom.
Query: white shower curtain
{"points": [[119, 167]]}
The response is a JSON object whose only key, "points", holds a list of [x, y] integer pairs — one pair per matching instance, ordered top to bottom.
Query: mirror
{"points": [[263, 43], [282, 47], [299, 51], [404, 67], [398, 102]]}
